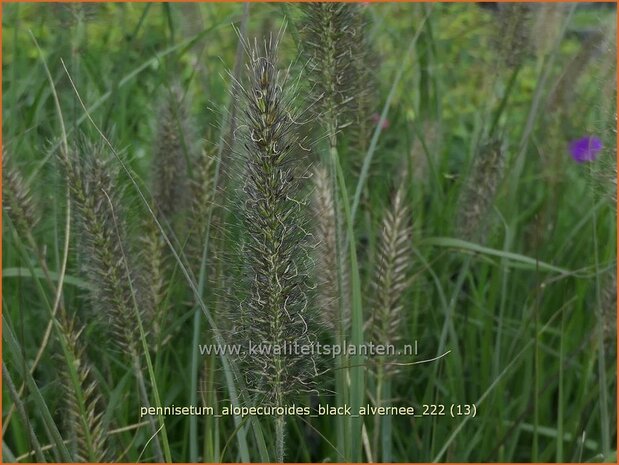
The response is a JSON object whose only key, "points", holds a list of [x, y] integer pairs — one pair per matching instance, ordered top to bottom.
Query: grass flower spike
{"points": [[330, 38], [513, 38], [170, 187], [479, 191], [94, 193], [16, 198], [305, 233], [105, 254], [326, 255], [392, 277], [391, 280], [276, 311], [84, 403]]}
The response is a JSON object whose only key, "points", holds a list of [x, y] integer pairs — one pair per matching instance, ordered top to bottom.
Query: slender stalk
{"points": [[342, 361], [357, 370], [561, 395], [21, 411], [280, 424], [386, 428]]}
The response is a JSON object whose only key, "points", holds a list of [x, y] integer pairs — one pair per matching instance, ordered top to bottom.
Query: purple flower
{"points": [[376, 119], [585, 148]]}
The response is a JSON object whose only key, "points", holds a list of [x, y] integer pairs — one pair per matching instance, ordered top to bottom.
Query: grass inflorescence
{"points": [[332, 41], [479, 191], [16, 199], [302, 217], [103, 240], [392, 275], [329, 294], [277, 309], [83, 400]]}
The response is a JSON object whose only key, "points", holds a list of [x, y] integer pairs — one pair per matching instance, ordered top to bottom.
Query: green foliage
{"points": [[469, 229]]}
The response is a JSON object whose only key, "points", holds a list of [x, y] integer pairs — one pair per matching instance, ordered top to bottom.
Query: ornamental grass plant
{"points": [[292, 218]]}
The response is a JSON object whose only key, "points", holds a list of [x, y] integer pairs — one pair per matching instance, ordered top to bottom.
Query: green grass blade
{"points": [[531, 263], [38, 273], [15, 352], [357, 378], [8, 382], [490, 388]]}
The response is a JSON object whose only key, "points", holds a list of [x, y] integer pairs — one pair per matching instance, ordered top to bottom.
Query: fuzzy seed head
{"points": [[71, 14], [547, 22], [331, 34], [512, 36], [365, 62], [604, 171], [170, 187], [479, 192], [16, 199], [202, 204], [103, 239], [326, 254], [156, 261], [392, 272], [276, 310], [84, 413]]}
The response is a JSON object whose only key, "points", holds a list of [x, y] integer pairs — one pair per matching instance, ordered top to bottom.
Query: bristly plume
{"points": [[546, 23], [512, 34], [331, 39], [365, 63], [173, 145], [172, 148], [170, 153], [604, 170], [479, 191], [16, 198], [202, 203], [103, 239], [326, 255], [155, 271], [392, 277], [117, 293], [276, 311], [84, 411]]}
